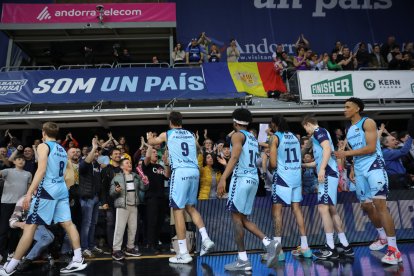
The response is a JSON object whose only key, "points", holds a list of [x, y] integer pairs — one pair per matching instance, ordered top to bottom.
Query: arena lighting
{"points": [[100, 9]]}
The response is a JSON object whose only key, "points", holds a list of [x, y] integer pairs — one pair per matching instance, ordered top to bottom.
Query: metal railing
{"points": [[191, 64], [145, 65], [84, 66], [26, 68], [372, 68]]}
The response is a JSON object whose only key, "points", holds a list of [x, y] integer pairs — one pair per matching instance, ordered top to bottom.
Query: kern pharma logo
{"points": [[11, 86], [341, 86]]}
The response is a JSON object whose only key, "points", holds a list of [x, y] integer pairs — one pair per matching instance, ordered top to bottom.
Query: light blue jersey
{"points": [[320, 135], [356, 140], [182, 148], [289, 160], [246, 166], [370, 176], [245, 179], [53, 182], [51, 202]]}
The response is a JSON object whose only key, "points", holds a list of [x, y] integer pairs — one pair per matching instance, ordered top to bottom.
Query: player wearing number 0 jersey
{"points": [[285, 158], [370, 177], [184, 183]]}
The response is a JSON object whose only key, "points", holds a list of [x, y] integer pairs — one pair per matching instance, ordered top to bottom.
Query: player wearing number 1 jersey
{"points": [[285, 157], [184, 183], [243, 188], [50, 201]]}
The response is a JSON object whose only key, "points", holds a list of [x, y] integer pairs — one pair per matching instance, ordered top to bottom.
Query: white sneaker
{"points": [[378, 245], [206, 247], [181, 259], [74, 266], [3, 271]]}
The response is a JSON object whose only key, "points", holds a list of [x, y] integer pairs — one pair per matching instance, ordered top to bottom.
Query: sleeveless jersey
{"points": [[320, 135], [356, 140], [182, 148], [289, 160], [246, 166], [53, 182]]}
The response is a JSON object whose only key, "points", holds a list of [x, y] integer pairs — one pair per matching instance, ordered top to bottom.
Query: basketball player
{"points": [[285, 157], [370, 177], [328, 178], [184, 183], [243, 188], [50, 201]]}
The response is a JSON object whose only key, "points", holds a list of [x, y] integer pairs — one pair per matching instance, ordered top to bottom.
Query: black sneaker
{"points": [[345, 250], [152, 251], [133, 252], [326, 253], [118, 255], [24, 265]]}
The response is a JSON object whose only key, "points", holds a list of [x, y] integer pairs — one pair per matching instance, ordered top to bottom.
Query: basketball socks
{"points": [[203, 233], [343, 239], [330, 240]]}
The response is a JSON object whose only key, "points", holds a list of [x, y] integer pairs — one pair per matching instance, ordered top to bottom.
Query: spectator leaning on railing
{"points": [[194, 53], [233, 53], [178, 55], [397, 175]]}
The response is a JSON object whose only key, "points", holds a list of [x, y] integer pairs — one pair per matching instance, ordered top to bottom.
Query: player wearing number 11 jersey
{"points": [[285, 157], [184, 183]]}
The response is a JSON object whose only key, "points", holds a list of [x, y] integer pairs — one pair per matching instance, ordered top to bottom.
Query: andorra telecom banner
{"points": [[86, 13]]}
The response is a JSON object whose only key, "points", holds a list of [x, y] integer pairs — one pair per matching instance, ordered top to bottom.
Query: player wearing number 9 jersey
{"points": [[285, 157], [184, 183]]}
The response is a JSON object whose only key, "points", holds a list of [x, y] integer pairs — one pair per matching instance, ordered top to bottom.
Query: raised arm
{"points": [[152, 140]]}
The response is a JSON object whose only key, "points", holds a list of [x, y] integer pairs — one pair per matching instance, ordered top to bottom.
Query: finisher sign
{"points": [[328, 85]]}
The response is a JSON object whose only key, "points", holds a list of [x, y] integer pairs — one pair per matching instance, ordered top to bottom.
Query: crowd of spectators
{"points": [[389, 55], [105, 170]]}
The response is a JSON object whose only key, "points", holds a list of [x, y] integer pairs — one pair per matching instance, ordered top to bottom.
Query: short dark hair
{"points": [[358, 102], [242, 114], [176, 118], [309, 119], [280, 122], [51, 129], [226, 145], [112, 151], [18, 156], [121, 162]]}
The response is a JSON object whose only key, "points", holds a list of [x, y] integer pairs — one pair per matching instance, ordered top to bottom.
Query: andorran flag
{"points": [[254, 78]]}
